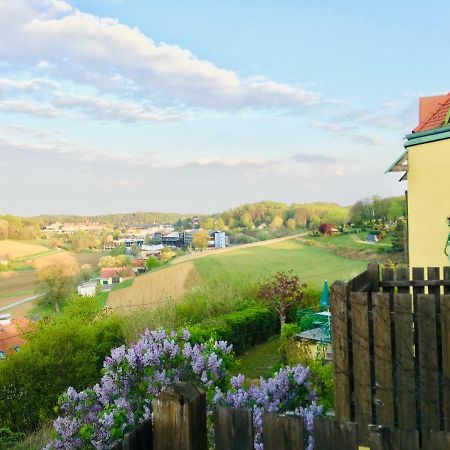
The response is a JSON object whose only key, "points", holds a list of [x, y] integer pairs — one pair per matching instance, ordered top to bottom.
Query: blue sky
{"points": [[116, 106]]}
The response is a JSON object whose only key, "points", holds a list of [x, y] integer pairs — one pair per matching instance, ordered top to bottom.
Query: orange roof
{"points": [[432, 112], [11, 334]]}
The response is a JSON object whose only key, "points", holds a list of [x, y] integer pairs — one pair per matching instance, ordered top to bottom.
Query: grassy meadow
{"points": [[247, 266], [207, 287]]}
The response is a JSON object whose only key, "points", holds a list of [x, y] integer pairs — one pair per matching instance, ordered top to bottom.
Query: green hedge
{"points": [[243, 329], [68, 351]]}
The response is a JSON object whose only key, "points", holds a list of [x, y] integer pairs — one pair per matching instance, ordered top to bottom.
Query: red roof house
{"points": [[432, 112], [12, 333]]}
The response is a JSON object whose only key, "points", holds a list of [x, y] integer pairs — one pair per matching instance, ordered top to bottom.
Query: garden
{"points": [[108, 392]]}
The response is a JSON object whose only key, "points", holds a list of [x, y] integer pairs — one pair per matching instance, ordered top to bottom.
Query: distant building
{"points": [[172, 239], [220, 239], [108, 246], [151, 250], [114, 275], [87, 289], [12, 332]]}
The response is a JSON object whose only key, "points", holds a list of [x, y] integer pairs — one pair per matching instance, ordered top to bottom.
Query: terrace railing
{"points": [[391, 350]]}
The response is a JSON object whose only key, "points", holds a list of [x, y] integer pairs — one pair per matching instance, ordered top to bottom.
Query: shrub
{"points": [[242, 329], [66, 351], [132, 377]]}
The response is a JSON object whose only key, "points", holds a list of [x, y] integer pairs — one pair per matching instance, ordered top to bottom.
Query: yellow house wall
{"points": [[428, 203]]}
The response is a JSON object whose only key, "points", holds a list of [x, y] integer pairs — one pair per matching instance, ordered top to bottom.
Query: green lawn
{"points": [[353, 241], [313, 265], [124, 284], [259, 361]]}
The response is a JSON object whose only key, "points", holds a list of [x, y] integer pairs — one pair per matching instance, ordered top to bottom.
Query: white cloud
{"points": [[114, 57], [28, 107], [107, 109], [353, 133]]}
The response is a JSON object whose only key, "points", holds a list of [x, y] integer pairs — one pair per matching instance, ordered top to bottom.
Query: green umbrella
{"points": [[325, 297]]}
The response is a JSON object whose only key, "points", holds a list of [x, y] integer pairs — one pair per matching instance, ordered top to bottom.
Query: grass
{"points": [[353, 242], [250, 265], [124, 284], [259, 361]]}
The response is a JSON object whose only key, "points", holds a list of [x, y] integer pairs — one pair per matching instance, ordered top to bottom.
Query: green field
{"points": [[353, 245], [312, 265]]}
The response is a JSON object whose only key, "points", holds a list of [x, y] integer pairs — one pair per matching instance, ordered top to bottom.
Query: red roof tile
{"points": [[432, 112], [123, 272], [11, 334]]}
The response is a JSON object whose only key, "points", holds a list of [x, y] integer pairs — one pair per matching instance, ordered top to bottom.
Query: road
{"points": [[196, 255], [20, 302]]}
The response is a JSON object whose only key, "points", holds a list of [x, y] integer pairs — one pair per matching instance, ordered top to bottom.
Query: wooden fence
{"points": [[391, 351], [180, 423]]}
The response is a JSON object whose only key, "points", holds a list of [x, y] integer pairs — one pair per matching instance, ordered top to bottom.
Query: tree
{"points": [[276, 223], [220, 224], [292, 224], [326, 229], [4, 230], [200, 239], [120, 250], [135, 250], [166, 254], [151, 263], [85, 272], [55, 284], [282, 292]]}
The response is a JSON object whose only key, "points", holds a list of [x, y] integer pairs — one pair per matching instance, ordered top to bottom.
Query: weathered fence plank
{"points": [[373, 275], [402, 275], [387, 276], [447, 279], [445, 327], [341, 358], [361, 359], [428, 366], [405, 384], [384, 392], [180, 418], [233, 428], [282, 433], [323, 433], [333, 435], [345, 435], [379, 438], [144, 439], [404, 439], [439, 440]]}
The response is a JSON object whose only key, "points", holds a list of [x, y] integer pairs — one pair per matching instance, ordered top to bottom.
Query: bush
{"points": [[242, 329], [66, 351]]}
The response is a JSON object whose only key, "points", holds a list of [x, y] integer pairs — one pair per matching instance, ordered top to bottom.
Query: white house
{"points": [[220, 239], [115, 275], [87, 288]]}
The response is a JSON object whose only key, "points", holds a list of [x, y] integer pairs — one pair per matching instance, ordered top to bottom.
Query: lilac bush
{"points": [[132, 377], [287, 392]]}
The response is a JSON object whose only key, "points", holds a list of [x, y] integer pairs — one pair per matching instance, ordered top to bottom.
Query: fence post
{"points": [[373, 273], [341, 361], [179, 413], [233, 428], [283, 432]]}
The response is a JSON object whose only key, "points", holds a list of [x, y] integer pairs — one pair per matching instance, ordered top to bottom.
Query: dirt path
{"points": [[196, 255], [153, 288]]}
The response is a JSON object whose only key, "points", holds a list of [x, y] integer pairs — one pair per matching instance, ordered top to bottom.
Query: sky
{"points": [[198, 106]]}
